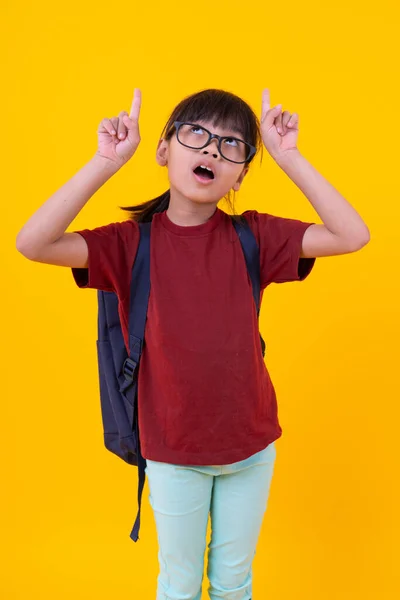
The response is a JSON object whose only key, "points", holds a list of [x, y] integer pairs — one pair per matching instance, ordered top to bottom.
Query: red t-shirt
{"points": [[204, 392]]}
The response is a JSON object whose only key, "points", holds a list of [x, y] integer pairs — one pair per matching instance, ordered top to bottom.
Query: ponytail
{"points": [[143, 213]]}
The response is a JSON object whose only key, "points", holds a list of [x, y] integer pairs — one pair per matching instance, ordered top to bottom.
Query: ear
{"points": [[162, 153], [238, 183]]}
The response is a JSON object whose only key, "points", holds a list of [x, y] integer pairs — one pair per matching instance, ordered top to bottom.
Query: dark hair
{"points": [[220, 108]]}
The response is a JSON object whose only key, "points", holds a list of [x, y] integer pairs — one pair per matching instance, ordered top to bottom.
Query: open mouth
{"points": [[204, 173]]}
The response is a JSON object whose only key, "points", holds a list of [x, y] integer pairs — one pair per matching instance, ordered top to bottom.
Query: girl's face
{"points": [[182, 161]]}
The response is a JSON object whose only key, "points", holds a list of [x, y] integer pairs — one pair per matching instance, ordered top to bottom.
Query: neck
{"points": [[185, 212]]}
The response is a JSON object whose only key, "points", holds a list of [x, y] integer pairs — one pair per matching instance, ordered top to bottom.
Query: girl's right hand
{"points": [[111, 145]]}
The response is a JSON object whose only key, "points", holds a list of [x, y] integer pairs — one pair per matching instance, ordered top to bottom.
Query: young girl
{"points": [[209, 419]]}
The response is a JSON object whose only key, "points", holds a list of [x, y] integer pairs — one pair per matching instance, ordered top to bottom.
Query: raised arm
{"points": [[343, 229], [43, 238]]}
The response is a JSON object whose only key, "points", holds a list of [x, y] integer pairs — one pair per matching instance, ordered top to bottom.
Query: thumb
{"points": [[271, 115]]}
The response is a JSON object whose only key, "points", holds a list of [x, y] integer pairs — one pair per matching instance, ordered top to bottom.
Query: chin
{"points": [[206, 199]]}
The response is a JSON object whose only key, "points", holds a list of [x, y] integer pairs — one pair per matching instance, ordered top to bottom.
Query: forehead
{"points": [[216, 128]]}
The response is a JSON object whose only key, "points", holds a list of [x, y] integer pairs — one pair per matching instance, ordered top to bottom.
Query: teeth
{"points": [[204, 167]]}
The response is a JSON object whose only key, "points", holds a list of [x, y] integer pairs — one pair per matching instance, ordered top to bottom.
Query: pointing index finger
{"points": [[136, 103]]}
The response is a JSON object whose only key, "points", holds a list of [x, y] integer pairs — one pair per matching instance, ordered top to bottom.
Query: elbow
{"points": [[364, 237], [360, 240], [19, 244], [24, 248]]}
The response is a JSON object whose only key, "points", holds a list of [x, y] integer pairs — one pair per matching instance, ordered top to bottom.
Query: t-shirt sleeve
{"points": [[280, 242], [112, 250]]}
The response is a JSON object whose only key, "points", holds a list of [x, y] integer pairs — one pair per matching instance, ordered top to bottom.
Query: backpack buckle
{"points": [[128, 369]]}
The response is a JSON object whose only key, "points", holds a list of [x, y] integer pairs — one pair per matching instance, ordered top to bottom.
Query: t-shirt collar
{"points": [[189, 230]]}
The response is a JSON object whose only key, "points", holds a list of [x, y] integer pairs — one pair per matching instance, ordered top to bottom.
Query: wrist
{"points": [[287, 158], [105, 164]]}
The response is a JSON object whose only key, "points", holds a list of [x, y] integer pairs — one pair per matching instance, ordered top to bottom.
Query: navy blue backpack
{"points": [[118, 371]]}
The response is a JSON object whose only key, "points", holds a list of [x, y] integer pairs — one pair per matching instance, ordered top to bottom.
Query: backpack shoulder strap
{"points": [[251, 254], [140, 287], [139, 299]]}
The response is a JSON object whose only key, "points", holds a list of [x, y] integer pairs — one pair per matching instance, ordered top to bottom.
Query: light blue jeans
{"points": [[182, 497]]}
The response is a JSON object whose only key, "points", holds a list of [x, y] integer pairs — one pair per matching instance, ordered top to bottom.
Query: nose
{"points": [[212, 147]]}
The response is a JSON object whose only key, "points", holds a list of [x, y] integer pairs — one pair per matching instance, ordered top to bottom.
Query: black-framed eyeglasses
{"points": [[193, 135]]}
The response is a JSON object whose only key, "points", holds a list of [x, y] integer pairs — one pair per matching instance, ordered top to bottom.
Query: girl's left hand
{"points": [[279, 131]]}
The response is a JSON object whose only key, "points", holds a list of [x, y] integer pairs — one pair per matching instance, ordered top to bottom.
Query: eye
{"points": [[196, 127], [231, 141]]}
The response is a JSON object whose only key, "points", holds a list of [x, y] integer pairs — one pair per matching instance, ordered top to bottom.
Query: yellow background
{"points": [[331, 530]]}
